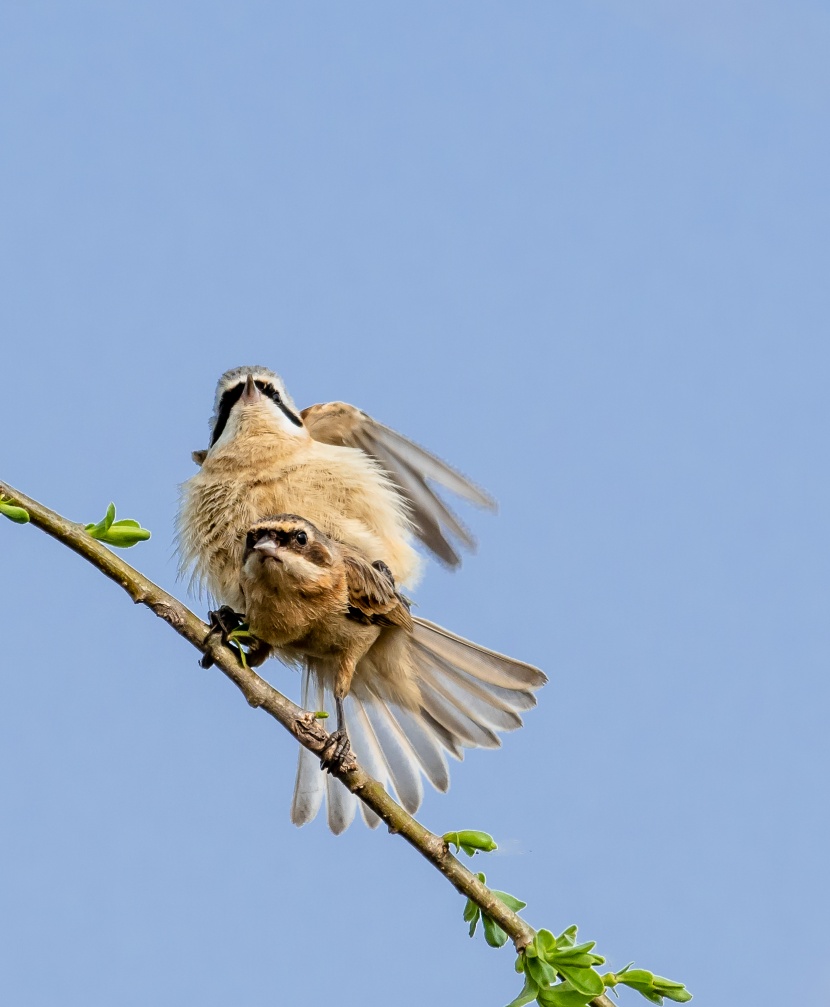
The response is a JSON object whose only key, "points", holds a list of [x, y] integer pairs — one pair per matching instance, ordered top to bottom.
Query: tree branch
{"points": [[299, 723]]}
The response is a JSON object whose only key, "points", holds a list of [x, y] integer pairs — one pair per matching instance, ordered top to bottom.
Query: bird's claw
{"points": [[381, 567], [223, 622], [337, 750]]}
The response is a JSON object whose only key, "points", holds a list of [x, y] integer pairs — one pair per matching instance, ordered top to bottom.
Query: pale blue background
{"points": [[578, 249]]}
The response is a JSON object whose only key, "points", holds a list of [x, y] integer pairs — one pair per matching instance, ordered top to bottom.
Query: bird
{"points": [[357, 479], [360, 483], [416, 690]]}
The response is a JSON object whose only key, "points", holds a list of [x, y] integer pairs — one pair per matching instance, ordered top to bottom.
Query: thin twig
{"points": [[301, 724]]}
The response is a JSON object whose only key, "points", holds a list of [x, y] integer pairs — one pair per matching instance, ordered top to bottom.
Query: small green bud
{"points": [[14, 513], [122, 534], [470, 841]]}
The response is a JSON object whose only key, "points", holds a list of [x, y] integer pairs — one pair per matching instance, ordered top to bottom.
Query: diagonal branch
{"points": [[296, 721]]}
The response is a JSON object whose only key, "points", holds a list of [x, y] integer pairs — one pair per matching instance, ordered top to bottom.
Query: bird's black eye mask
{"points": [[232, 396]]}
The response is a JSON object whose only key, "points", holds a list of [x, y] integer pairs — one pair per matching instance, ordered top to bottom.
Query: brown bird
{"points": [[415, 690]]}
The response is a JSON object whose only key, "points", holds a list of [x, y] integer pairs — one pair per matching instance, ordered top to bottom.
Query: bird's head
{"points": [[248, 396], [288, 548]]}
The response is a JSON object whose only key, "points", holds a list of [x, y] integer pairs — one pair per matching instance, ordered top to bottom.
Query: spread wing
{"points": [[410, 468], [372, 594]]}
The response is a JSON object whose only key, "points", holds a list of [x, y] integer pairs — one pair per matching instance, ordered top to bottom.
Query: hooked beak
{"points": [[251, 393], [268, 547]]}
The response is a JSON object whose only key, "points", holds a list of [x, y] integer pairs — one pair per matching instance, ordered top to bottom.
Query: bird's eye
{"points": [[301, 537]]}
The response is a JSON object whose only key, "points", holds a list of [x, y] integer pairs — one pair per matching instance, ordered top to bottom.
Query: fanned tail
{"points": [[468, 695]]}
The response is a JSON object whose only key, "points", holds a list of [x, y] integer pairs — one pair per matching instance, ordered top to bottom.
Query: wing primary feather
{"points": [[431, 466], [415, 483], [422, 504], [481, 663], [499, 706], [455, 721], [427, 747]]}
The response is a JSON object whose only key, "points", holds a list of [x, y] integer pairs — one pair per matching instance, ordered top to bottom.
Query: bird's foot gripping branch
{"points": [[557, 971]]}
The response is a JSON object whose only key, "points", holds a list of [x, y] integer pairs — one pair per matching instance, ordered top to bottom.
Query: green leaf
{"points": [[14, 513], [109, 517], [103, 526], [124, 537], [470, 841], [510, 900], [471, 915], [493, 933], [567, 937], [544, 943], [574, 949], [575, 961], [542, 973], [635, 976], [585, 980], [667, 983], [653, 987], [671, 990], [527, 994], [563, 995], [679, 996]]}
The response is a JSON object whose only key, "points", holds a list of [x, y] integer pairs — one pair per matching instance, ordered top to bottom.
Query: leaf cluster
{"points": [[122, 534], [493, 933], [549, 959], [558, 972]]}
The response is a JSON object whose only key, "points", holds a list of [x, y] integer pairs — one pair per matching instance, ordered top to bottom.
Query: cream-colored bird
{"points": [[365, 487]]}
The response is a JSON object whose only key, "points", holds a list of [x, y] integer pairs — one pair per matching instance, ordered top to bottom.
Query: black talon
{"points": [[381, 567], [223, 622], [338, 747]]}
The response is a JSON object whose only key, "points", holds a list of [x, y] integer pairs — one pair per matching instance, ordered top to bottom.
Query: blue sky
{"points": [[580, 250]]}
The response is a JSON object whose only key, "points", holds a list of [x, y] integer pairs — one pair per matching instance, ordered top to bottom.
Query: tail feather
{"points": [[467, 695], [427, 747], [366, 748], [400, 757], [309, 784], [341, 804]]}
